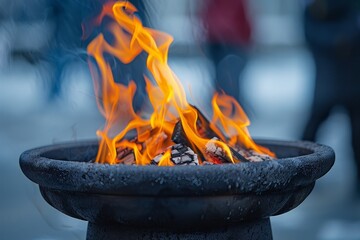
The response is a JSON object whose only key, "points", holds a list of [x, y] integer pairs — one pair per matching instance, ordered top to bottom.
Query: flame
{"points": [[166, 96], [229, 115]]}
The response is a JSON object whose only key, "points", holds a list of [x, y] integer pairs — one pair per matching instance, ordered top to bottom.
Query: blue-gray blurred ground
{"points": [[278, 86]]}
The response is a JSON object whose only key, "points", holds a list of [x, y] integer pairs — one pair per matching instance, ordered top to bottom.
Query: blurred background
{"points": [[284, 53]]}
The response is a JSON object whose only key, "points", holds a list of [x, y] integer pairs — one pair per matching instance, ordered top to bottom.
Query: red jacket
{"points": [[227, 21]]}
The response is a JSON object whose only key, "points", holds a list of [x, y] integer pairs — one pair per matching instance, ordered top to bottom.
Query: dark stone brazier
{"points": [[229, 201]]}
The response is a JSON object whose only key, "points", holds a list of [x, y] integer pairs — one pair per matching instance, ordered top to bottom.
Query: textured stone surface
{"points": [[66, 167], [175, 197], [254, 230]]}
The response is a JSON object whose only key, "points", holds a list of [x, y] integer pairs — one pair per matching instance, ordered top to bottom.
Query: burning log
{"points": [[203, 125], [205, 130], [179, 135], [123, 152], [218, 154], [125, 155], [180, 155], [183, 155], [238, 156], [253, 156], [129, 159], [156, 159]]}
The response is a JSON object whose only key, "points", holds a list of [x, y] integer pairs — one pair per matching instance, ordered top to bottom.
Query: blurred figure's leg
{"points": [[68, 16], [5, 45], [228, 46], [58, 61], [229, 63], [55, 80], [325, 94], [323, 99], [354, 112], [318, 115]]}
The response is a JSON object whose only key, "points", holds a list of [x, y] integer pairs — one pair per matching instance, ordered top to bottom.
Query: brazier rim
{"points": [[279, 175]]}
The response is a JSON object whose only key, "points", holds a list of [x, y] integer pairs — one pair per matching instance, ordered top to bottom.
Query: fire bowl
{"points": [[228, 201]]}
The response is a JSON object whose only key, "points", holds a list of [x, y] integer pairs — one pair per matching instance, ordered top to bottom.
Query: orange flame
{"points": [[166, 95]]}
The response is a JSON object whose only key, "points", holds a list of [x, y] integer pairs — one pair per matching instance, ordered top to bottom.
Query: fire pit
{"points": [[180, 175], [226, 201]]}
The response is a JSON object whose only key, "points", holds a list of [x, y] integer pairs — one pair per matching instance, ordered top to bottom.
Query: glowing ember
{"points": [[154, 134]]}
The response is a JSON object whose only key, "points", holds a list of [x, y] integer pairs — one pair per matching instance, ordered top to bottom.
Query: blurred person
{"points": [[67, 16], [19, 19], [332, 32], [228, 33], [3, 38], [69, 45], [4, 46]]}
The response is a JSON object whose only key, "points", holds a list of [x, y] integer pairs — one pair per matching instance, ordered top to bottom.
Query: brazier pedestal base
{"points": [[249, 230]]}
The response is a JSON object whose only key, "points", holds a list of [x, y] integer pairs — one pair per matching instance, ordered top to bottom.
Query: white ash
{"points": [[212, 148], [215, 150], [180, 155], [183, 155], [253, 156], [156, 159], [207, 163]]}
